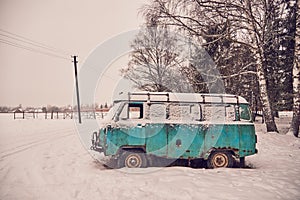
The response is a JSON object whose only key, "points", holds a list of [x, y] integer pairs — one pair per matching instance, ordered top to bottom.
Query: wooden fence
{"points": [[59, 115]]}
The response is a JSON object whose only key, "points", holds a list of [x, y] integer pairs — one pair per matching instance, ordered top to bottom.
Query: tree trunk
{"points": [[259, 53], [266, 106], [296, 106], [294, 129]]}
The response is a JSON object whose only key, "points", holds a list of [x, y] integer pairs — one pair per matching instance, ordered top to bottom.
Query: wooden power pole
{"points": [[77, 88]]}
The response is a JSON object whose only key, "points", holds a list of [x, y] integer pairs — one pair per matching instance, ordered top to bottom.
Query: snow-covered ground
{"points": [[44, 159]]}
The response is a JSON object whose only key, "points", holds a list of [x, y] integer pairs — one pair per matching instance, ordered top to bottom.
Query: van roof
{"points": [[180, 97]]}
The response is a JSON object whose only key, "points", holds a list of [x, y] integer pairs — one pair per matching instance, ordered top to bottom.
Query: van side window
{"points": [[132, 111], [157, 112], [179, 112], [183, 112], [196, 112], [213, 112], [219, 112], [230, 113], [245, 113]]}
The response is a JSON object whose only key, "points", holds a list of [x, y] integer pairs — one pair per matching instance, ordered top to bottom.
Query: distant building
{"points": [[17, 110]]}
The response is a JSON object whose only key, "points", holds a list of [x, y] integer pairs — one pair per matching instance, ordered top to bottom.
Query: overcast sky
{"points": [[75, 26]]}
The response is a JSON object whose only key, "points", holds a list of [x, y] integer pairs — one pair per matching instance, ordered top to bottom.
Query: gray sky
{"points": [[75, 26]]}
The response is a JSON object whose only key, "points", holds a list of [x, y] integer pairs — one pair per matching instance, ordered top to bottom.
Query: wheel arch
{"points": [[137, 148], [125, 151], [234, 152]]}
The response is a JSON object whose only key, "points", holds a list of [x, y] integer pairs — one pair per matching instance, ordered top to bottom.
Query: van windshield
{"points": [[112, 111]]}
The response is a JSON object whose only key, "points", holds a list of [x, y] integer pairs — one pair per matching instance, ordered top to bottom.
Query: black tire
{"points": [[132, 159], [219, 159], [242, 162], [197, 163]]}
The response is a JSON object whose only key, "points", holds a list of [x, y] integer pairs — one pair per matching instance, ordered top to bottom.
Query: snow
{"points": [[157, 112], [285, 113], [44, 159]]}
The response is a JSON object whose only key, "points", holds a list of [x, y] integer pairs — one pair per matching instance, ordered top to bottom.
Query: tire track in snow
{"points": [[43, 133], [39, 134], [27, 139], [30, 145]]}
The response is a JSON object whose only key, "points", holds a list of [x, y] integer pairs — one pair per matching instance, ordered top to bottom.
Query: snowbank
{"points": [[44, 159]]}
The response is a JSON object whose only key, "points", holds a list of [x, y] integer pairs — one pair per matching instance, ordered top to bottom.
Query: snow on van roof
{"points": [[180, 97]]}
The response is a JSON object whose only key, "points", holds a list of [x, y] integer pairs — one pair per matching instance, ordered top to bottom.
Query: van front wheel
{"points": [[220, 159], [132, 160]]}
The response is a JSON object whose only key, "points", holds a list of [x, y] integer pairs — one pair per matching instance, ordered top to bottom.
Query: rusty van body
{"points": [[214, 127]]}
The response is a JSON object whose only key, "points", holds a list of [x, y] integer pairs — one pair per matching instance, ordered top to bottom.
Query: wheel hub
{"points": [[220, 160], [133, 161]]}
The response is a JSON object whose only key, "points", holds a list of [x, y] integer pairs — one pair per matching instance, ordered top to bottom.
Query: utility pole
{"points": [[77, 89]]}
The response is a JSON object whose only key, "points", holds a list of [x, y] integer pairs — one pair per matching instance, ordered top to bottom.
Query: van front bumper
{"points": [[95, 142]]}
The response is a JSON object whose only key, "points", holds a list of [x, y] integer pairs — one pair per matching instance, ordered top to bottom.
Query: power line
{"points": [[32, 42], [37, 43], [31, 49]]}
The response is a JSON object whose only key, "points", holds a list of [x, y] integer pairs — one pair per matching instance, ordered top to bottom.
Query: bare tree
{"points": [[243, 22], [155, 62]]}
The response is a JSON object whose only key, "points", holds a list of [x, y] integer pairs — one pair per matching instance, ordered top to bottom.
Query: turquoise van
{"points": [[145, 126]]}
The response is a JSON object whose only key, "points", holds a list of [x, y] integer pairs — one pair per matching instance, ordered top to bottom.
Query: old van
{"points": [[141, 126]]}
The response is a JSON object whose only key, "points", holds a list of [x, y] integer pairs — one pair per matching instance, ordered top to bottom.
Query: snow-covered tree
{"points": [[246, 23]]}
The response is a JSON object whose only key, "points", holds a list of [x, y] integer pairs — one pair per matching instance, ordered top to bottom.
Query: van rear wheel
{"points": [[131, 159], [219, 159]]}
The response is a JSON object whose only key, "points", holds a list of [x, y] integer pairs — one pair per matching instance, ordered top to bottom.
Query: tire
{"points": [[132, 159], [219, 159], [242, 162], [197, 163]]}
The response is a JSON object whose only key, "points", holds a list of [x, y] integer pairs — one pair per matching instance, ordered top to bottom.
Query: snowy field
{"points": [[44, 159]]}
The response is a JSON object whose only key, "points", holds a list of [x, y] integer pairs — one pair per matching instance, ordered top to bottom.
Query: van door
{"points": [[129, 130], [156, 130], [183, 133], [118, 137], [156, 139], [180, 139]]}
